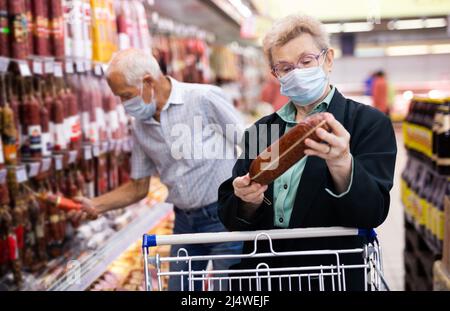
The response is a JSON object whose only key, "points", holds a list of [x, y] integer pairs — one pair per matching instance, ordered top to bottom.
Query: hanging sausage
{"points": [[57, 28], [4, 29], [19, 29]]}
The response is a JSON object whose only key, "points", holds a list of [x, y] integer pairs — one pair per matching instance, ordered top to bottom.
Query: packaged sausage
{"points": [[67, 20], [41, 27], [57, 28], [4, 29], [19, 29], [286, 151]]}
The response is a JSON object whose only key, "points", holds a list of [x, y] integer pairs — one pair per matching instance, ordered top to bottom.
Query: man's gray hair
{"points": [[133, 64]]}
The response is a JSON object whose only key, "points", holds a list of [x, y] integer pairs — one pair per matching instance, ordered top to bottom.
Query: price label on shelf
{"points": [[4, 64], [87, 65], [49, 66], [69, 66], [80, 66], [37, 67], [24, 69], [57, 70], [98, 70], [105, 148], [96, 150], [87, 152], [73, 156], [58, 162], [46, 164], [33, 169], [21, 174], [3, 176]]}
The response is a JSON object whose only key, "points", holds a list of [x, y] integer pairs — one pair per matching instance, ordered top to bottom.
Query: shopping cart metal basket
{"points": [[237, 279]]}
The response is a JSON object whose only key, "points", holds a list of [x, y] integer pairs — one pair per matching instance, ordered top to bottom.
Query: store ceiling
{"points": [[344, 10], [203, 14]]}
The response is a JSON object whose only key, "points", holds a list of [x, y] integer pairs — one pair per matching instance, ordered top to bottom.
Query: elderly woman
{"points": [[344, 180]]}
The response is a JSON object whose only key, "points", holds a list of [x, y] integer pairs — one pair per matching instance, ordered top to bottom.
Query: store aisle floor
{"points": [[391, 232]]}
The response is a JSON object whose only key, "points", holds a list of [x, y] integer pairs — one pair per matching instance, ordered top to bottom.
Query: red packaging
{"points": [[31, 26], [56, 28], [4, 29], [19, 29], [41, 30], [19, 236], [13, 251]]}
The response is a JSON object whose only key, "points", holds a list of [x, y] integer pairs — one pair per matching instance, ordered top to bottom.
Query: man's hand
{"points": [[248, 191], [89, 211]]}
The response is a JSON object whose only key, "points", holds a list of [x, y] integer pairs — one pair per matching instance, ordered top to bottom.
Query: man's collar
{"points": [[176, 94]]}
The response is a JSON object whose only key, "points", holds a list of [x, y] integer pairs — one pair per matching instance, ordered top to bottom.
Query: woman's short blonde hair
{"points": [[290, 27]]}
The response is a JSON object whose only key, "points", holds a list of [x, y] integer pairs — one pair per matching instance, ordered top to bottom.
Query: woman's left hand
{"points": [[335, 150]]}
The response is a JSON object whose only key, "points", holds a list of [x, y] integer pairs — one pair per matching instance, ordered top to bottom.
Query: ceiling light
{"points": [[242, 8], [435, 23], [409, 24], [333, 27], [357, 27], [440, 48], [407, 50], [435, 94], [408, 95]]}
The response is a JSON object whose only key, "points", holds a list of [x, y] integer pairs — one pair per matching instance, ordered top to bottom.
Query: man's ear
{"points": [[148, 79]]}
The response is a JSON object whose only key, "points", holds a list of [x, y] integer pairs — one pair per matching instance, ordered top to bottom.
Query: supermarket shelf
{"points": [[82, 275]]}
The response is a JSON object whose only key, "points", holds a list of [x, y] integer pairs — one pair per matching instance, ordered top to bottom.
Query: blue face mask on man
{"points": [[304, 86], [137, 108]]}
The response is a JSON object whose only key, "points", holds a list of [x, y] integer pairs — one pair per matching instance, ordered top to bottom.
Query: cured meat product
{"points": [[286, 151]]}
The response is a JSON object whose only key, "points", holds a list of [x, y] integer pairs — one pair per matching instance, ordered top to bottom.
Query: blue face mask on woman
{"points": [[304, 86], [137, 108]]}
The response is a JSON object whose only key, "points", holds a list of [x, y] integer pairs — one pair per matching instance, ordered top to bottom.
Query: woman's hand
{"points": [[335, 151], [248, 191]]}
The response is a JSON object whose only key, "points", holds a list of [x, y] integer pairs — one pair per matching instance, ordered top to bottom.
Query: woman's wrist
{"points": [[341, 171]]}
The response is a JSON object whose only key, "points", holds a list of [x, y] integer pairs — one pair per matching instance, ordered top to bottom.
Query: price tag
{"points": [[4, 64], [87, 65], [48, 66], [80, 66], [37, 67], [69, 67], [104, 67], [24, 69], [98, 70], [57, 72], [119, 144], [112, 145], [126, 145], [105, 147], [96, 150], [87, 152], [72, 156], [58, 162], [46, 164], [33, 169], [21, 174], [2, 176]]}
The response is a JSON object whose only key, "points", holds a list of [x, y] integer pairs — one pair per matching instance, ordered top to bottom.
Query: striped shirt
{"points": [[181, 148]]}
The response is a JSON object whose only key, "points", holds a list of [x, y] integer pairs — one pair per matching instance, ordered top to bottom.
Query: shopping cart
{"points": [[264, 277]]}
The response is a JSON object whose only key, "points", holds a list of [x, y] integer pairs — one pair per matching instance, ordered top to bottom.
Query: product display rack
{"points": [[82, 275]]}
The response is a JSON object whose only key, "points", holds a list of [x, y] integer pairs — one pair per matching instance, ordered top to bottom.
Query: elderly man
{"points": [[176, 125], [345, 178]]}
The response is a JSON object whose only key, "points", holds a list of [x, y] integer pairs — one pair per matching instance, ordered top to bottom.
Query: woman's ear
{"points": [[329, 59]]}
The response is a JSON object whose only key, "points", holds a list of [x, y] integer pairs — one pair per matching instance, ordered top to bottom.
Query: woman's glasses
{"points": [[305, 61]]}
